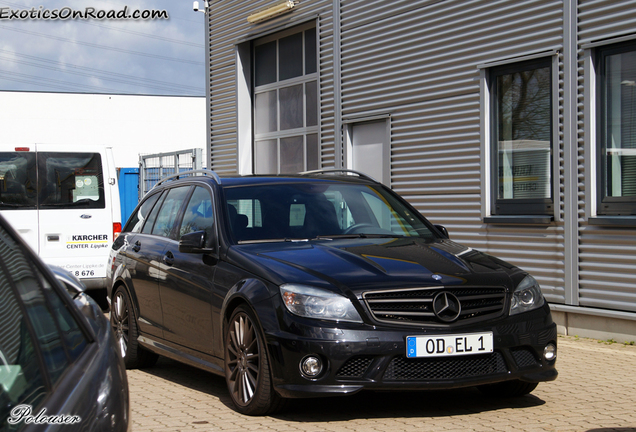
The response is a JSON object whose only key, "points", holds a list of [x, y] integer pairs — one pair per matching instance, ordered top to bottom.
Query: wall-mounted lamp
{"points": [[195, 6], [271, 12]]}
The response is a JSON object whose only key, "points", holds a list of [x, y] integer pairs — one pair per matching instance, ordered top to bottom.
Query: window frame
{"points": [[305, 131], [606, 206], [539, 210]]}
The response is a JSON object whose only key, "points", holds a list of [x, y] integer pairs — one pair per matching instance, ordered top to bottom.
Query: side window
{"points": [[521, 133], [70, 180], [18, 185], [169, 211], [199, 214], [152, 217], [137, 220]]}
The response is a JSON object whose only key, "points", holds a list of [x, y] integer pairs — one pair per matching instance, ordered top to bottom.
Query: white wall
{"points": [[131, 124]]}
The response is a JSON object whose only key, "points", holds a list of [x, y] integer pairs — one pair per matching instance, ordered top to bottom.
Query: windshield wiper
{"points": [[359, 235], [275, 240]]}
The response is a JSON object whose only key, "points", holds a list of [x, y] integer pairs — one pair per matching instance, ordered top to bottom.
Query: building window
{"points": [[286, 102], [617, 129], [521, 131]]}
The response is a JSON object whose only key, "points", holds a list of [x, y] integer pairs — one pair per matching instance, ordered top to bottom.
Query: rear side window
{"points": [[18, 180], [51, 180], [70, 180], [137, 220]]}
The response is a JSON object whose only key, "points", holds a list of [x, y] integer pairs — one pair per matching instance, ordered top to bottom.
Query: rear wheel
{"points": [[125, 328], [247, 372], [506, 389]]}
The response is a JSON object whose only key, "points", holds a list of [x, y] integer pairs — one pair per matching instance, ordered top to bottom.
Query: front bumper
{"points": [[375, 358]]}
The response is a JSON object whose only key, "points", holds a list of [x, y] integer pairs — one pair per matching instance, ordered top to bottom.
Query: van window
{"points": [[18, 180], [49, 180], [70, 180]]}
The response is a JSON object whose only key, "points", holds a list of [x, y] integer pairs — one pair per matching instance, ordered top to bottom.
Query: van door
{"points": [[75, 210]]}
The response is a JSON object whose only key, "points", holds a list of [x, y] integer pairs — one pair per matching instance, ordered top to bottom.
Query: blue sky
{"points": [[153, 57]]}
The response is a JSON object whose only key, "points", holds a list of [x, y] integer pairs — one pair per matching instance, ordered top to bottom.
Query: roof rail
{"points": [[340, 170], [206, 172]]}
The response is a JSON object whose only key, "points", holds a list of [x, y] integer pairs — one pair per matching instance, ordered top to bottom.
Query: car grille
{"points": [[415, 306], [354, 367], [404, 369]]}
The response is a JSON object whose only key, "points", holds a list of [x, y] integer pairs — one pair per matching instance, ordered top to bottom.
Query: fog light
{"points": [[550, 352], [311, 366]]}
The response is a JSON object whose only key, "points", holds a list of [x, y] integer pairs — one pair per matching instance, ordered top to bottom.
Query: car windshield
{"points": [[318, 210]]}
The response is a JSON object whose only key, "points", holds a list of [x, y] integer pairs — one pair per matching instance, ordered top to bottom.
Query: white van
{"points": [[64, 202]]}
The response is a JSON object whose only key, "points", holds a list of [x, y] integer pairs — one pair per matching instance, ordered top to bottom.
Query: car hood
{"points": [[366, 264]]}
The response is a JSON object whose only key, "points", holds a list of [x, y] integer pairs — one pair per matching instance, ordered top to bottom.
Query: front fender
{"points": [[250, 291]]}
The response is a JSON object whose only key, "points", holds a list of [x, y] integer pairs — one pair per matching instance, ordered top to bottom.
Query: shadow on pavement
{"points": [[440, 403], [618, 429]]}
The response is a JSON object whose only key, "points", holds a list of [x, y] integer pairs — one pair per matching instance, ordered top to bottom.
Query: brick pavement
{"points": [[595, 391]]}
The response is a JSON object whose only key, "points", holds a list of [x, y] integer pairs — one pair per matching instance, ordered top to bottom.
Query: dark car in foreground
{"points": [[319, 284], [60, 368]]}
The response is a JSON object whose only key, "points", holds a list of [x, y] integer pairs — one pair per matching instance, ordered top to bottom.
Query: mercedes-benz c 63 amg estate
{"points": [[319, 284]]}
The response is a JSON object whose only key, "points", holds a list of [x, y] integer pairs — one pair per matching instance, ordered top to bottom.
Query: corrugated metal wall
{"points": [[228, 25], [417, 61], [607, 255]]}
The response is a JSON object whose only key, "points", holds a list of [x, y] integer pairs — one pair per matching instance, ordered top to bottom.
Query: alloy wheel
{"points": [[121, 322], [243, 359]]}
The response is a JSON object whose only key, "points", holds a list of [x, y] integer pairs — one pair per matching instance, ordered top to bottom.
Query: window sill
{"points": [[519, 220], [613, 220]]}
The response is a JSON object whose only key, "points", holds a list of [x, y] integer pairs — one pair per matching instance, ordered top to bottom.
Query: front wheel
{"points": [[124, 326], [247, 372], [507, 389]]}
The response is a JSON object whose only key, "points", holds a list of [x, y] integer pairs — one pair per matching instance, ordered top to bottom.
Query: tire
{"points": [[124, 326], [247, 371], [506, 389]]}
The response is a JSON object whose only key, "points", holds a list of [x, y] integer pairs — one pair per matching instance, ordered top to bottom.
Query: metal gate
{"points": [[154, 167]]}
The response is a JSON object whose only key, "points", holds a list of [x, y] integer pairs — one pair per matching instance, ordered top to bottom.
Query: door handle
{"points": [[137, 246], [168, 259]]}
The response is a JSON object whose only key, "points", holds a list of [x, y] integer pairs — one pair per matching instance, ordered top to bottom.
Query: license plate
{"points": [[449, 345]]}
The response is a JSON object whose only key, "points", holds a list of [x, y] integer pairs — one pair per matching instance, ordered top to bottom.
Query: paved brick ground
{"points": [[595, 391]]}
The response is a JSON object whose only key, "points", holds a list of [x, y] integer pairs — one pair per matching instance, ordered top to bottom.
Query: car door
{"points": [[150, 247], [142, 252], [186, 290]]}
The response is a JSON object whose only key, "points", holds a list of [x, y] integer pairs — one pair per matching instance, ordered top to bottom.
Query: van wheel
{"points": [[125, 328], [247, 371], [506, 389]]}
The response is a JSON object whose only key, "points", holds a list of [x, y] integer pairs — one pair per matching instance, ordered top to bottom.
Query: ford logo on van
{"points": [[86, 216]]}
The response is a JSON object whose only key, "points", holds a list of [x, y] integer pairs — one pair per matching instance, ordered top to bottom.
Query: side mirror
{"points": [[442, 229], [195, 242]]}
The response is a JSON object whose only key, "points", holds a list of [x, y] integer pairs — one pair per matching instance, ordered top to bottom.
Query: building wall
{"points": [[417, 61], [420, 65], [607, 255]]}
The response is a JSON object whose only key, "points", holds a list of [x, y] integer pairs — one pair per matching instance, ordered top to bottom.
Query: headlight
{"points": [[527, 296], [317, 303]]}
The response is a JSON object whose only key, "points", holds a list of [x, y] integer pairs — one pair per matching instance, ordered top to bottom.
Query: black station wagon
{"points": [[319, 284]]}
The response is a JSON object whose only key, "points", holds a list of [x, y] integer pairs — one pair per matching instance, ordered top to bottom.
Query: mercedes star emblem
{"points": [[446, 306]]}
